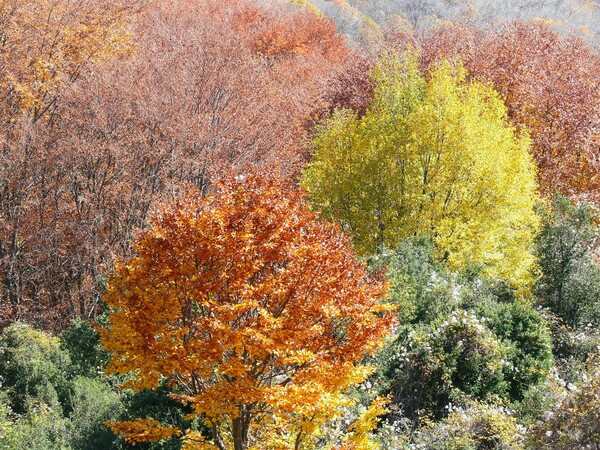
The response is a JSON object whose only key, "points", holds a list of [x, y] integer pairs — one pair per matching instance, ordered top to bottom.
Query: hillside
{"points": [[357, 18], [244, 225]]}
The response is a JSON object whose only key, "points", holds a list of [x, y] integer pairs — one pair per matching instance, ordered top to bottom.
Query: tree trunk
{"points": [[240, 431]]}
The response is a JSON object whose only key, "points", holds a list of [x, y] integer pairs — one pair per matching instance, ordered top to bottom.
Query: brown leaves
{"points": [[302, 34], [47, 45], [191, 99]]}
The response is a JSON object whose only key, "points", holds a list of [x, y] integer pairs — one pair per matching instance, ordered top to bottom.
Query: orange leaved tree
{"points": [[47, 45], [252, 309]]}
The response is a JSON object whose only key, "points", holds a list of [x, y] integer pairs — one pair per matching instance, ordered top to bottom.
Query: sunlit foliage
{"points": [[47, 44], [202, 85], [551, 87], [430, 157], [257, 310]]}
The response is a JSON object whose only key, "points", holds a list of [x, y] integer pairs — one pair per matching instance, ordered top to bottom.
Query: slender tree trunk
{"points": [[10, 285], [240, 432], [217, 437], [298, 441]]}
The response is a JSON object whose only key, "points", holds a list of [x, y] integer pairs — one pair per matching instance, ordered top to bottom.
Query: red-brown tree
{"points": [[196, 94]]}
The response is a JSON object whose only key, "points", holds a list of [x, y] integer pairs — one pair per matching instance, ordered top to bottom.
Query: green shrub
{"points": [[570, 281], [421, 287], [528, 338], [82, 342], [506, 344], [448, 362], [33, 368], [93, 402], [46, 405], [573, 422], [42, 428], [8, 432]]}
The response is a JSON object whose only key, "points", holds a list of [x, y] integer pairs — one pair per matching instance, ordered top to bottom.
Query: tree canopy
{"points": [[47, 45], [550, 84], [434, 157], [337, 225], [253, 307]]}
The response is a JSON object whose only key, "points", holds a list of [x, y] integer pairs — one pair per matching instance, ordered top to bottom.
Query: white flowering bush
{"points": [[460, 336], [447, 362], [573, 421], [475, 426]]}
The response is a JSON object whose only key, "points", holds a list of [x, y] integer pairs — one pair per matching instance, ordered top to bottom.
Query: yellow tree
{"points": [[435, 157], [254, 308]]}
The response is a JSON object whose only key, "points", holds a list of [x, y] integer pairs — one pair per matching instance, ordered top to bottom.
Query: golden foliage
{"points": [[46, 44], [550, 84], [432, 157], [252, 306], [142, 430], [359, 438]]}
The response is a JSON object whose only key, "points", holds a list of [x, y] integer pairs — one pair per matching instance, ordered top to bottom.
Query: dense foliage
{"points": [[550, 84], [210, 85], [433, 157], [307, 224], [252, 307], [461, 336]]}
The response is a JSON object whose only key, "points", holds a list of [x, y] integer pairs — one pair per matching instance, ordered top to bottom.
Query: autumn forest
{"points": [[294, 224]]}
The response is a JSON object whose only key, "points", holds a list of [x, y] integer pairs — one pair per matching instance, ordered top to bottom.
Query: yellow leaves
{"points": [[28, 99], [435, 157], [299, 358], [234, 367], [358, 374], [369, 419], [142, 430], [360, 430], [193, 440]]}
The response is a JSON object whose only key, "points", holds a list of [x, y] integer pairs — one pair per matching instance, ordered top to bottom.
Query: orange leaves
{"points": [[285, 31], [304, 34], [47, 44], [250, 300], [142, 430]]}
